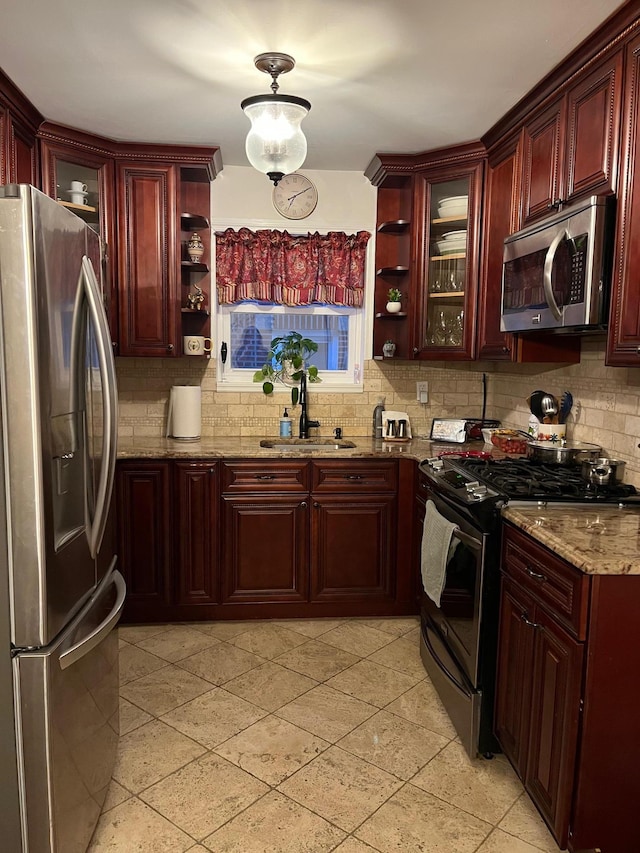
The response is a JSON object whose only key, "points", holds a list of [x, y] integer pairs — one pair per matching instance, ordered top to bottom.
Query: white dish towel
{"points": [[437, 550]]}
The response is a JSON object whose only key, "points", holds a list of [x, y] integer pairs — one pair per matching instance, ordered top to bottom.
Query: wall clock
{"points": [[295, 196]]}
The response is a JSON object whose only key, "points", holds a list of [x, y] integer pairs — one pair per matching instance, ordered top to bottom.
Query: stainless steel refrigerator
{"points": [[60, 592]]}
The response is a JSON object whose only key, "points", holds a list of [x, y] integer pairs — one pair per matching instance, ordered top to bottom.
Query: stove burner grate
{"points": [[524, 479]]}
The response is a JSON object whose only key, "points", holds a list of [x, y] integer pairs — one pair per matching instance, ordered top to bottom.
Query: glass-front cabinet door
{"points": [[80, 176], [448, 274]]}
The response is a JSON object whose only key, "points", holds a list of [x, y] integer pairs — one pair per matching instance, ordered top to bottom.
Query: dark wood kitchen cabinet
{"points": [[19, 121], [571, 145], [70, 155], [502, 216], [147, 258], [623, 342], [145, 522], [265, 524], [353, 530], [197, 532], [168, 537], [239, 539], [569, 652]]}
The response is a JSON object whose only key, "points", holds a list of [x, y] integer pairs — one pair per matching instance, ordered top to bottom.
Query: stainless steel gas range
{"points": [[459, 637]]}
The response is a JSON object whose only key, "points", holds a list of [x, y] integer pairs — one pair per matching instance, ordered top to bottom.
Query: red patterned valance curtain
{"points": [[274, 266]]}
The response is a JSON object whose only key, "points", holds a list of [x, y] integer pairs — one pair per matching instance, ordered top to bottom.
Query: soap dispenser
{"points": [[285, 425]]}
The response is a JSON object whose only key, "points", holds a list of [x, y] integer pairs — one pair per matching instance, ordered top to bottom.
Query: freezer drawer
{"points": [[68, 707]]}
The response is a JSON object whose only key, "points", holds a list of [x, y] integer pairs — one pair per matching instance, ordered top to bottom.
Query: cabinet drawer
{"points": [[257, 476], [353, 476], [561, 588]]}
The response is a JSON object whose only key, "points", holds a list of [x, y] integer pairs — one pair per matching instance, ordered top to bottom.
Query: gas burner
{"points": [[522, 479]]}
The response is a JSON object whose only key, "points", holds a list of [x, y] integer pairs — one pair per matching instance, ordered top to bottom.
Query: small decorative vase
{"points": [[195, 249], [393, 307], [389, 348]]}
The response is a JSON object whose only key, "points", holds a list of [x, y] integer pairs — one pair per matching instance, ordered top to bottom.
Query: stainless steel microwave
{"points": [[556, 273]]}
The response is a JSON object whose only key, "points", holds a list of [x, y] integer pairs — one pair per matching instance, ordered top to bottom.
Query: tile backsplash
{"points": [[606, 411]]}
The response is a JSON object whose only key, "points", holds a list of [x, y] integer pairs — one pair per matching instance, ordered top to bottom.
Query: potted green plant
{"points": [[393, 300], [287, 362]]}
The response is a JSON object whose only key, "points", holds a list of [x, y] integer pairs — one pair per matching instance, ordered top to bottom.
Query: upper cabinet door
{"points": [[593, 130], [543, 150], [71, 156], [449, 201], [501, 218], [147, 258], [623, 340]]}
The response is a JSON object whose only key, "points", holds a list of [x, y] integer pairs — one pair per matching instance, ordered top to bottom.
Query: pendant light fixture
{"points": [[275, 143]]}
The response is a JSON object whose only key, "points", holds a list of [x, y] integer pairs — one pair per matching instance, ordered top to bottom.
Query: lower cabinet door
{"points": [[143, 495], [196, 507], [352, 547], [265, 553], [515, 663], [555, 712]]}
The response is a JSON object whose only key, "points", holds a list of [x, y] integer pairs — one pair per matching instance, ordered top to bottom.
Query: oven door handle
{"points": [[442, 504], [467, 540], [461, 687]]}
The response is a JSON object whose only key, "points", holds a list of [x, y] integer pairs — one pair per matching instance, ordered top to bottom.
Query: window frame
{"points": [[350, 381]]}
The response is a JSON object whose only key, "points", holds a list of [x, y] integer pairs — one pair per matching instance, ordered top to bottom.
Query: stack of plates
{"points": [[454, 205], [452, 241]]}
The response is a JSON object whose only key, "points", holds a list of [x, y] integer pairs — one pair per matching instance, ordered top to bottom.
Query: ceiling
{"points": [[401, 76]]}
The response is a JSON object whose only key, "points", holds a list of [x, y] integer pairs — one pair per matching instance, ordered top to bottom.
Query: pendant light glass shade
{"points": [[275, 143]]}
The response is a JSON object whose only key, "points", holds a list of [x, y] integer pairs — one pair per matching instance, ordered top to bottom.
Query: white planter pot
{"points": [[393, 307]]}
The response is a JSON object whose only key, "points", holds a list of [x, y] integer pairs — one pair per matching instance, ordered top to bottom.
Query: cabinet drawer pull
{"points": [[170, 347], [265, 476], [354, 477], [303, 505], [535, 575], [531, 624]]}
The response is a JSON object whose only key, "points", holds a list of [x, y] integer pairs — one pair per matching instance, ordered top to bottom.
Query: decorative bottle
{"points": [[195, 248], [377, 418]]}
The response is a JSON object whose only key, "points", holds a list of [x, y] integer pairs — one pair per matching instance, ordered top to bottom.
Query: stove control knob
{"points": [[436, 464], [472, 485], [480, 492]]}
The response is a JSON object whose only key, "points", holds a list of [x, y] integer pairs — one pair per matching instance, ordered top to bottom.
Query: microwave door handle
{"points": [[546, 276]]}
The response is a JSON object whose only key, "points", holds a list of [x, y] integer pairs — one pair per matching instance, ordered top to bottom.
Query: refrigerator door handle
{"points": [[109, 409], [79, 650]]}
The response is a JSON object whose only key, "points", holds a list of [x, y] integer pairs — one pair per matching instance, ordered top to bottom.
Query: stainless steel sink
{"points": [[296, 444]]}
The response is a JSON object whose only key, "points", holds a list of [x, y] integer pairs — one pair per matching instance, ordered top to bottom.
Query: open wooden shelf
{"points": [[193, 222], [394, 226], [453, 256], [189, 266], [398, 270], [456, 294], [204, 312], [386, 315]]}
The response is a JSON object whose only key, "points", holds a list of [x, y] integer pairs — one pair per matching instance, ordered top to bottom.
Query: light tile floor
{"points": [[298, 737]]}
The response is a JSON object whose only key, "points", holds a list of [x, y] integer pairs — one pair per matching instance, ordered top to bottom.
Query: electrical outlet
{"points": [[422, 392]]}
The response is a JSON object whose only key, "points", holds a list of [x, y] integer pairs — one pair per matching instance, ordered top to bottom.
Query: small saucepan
{"points": [[602, 471]]}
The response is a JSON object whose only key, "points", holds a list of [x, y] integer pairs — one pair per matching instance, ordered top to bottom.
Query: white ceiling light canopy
{"points": [[275, 143]]}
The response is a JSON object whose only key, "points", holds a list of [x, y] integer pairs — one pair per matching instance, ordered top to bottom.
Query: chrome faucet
{"points": [[305, 423]]}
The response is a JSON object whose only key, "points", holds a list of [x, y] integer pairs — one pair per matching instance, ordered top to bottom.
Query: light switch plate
{"points": [[422, 392]]}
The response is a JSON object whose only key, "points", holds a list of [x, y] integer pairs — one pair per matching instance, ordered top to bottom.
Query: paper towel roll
{"points": [[185, 409]]}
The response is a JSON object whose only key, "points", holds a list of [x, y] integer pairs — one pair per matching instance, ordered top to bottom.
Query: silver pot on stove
{"points": [[562, 452], [602, 471]]}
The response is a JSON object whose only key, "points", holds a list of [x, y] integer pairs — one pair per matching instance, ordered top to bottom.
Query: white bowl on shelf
{"points": [[454, 206], [455, 236], [446, 247]]}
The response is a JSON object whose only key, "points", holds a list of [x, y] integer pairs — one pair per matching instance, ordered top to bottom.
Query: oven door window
{"points": [[458, 617]]}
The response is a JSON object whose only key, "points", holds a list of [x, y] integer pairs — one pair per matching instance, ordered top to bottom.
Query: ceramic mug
{"points": [[78, 187], [196, 345]]}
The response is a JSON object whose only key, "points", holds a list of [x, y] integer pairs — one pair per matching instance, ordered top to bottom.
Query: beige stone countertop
{"points": [[249, 447], [598, 540]]}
